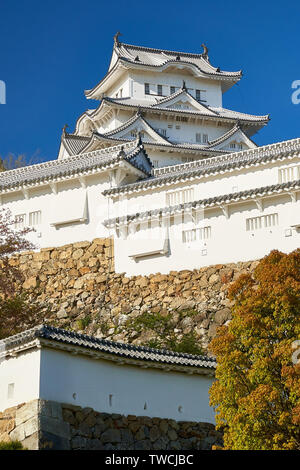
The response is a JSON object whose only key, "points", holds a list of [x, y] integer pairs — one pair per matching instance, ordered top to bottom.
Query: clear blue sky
{"points": [[51, 51]]}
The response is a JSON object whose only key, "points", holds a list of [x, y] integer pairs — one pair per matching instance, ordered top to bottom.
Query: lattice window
{"points": [[147, 89], [159, 90], [181, 118], [198, 138], [289, 174], [180, 197], [35, 218], [20, 221], [263, 221], [196, 234]]}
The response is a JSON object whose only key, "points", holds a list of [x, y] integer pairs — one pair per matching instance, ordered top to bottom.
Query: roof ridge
{"points": [[165, 51], [260, 118], [207, 165], [208, 201], [48, 332]]}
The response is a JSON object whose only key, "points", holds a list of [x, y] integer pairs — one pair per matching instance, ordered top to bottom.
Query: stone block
{"points": [[27, 411], [31, 426], [54, 426], [18, 434], [111, 436], [49, 441], [31, 442]]}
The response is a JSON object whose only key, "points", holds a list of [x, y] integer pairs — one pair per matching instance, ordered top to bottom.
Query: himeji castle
{"points": [[162, 167]]}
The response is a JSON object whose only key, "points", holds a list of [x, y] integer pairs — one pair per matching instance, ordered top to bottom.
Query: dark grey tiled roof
{"points": [[158, 57], [210, 113], [75, 143], [69, 166], [203, 167], [212, 201], [121, 350]]}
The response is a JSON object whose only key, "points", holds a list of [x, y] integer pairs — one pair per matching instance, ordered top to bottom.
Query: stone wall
{"points": [[76, 287], [37, 424], [42, 424]]}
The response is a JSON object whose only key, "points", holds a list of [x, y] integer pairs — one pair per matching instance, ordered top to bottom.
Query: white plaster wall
{"points": [[168, 79], [180, 132], [68, 200], [229, 242], [23, 372], [93, 381]]}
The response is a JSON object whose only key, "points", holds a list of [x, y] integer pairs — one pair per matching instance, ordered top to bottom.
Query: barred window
{"points": [[147, 89], [159, 90], [289, 174], [180, 197], [35, 218], [263, 221], [196, 234]]}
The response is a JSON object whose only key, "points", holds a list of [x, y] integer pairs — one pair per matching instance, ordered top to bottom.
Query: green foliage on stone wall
{"points": [[162, 328], [13, 445]]}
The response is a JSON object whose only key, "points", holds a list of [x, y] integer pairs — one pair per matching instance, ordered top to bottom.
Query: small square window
{"points": [[172, 90]]}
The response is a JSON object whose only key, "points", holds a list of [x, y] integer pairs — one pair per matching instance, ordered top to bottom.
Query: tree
{"points": [[11, 161], [11, 241], [16, 312], [257, 391]]}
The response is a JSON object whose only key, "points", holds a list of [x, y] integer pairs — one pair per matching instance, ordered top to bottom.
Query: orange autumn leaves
{"points": [[257, 391]]}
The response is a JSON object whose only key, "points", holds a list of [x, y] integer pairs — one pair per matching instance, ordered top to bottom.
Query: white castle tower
{"points": [[173, 100], [162, 168]]}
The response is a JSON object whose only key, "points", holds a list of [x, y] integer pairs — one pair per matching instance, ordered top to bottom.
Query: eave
{"points": [[122, 64], [169, 112], [223, 164], [212, 202]]}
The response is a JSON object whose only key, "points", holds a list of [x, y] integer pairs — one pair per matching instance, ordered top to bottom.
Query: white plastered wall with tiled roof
{"points": [[207, 185], [69, 211], [237, 228], [230, 233], [65, 367], [111, 388]]}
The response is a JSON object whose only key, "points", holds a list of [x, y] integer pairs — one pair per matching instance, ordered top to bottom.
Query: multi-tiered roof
{"points": [[98, 128]]}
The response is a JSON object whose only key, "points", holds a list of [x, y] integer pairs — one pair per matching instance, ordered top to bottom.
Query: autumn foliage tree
{"points": [[15, 309], [257, 391]]}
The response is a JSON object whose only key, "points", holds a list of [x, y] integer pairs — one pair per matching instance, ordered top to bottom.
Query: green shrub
{"points": [[84, 322], [162, 327], [13, 445]]}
